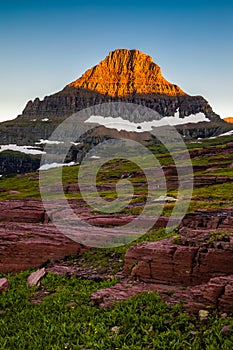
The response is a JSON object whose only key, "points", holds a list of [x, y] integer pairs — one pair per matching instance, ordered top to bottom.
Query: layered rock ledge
{"points": [[28, 239], [194, 267]]}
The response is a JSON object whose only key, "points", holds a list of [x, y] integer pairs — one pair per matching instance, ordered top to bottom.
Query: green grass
{"points": [[26, 185], [215, 196], [218, 236], [66, 319]]}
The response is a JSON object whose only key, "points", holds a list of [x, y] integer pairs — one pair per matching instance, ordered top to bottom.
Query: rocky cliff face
{"points": [[126, 72], [124, 75], [229, 119], [16, 162]]}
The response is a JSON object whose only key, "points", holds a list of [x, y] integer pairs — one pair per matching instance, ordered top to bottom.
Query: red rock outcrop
{"points": [[26, 211], [196, 227], [27, 239], [23, 246], [205, 252], [164, 262], [198, 271], [122, 291], [216, 293]]}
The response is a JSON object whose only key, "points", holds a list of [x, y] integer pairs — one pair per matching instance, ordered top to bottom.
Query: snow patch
{"points": [[45, 119], [123, 124], [228, 133], [50, 142], [53, 142], [22, 149], [55, 165], [165, 199]]}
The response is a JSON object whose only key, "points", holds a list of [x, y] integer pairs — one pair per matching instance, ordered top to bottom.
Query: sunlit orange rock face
{"points": [[126, 72], [229, 119]]}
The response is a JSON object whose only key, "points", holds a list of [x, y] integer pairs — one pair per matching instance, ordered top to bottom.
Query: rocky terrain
{"points": [[25, 224], [28, 239], [193, 264], [197, 270]]}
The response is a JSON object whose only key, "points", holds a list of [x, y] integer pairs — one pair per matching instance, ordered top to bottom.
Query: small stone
{"points": [[35, 277], [3, 284], [71, 304], [203, 314], [224, 315], [115, 329], [225, 329], [193, 332]]}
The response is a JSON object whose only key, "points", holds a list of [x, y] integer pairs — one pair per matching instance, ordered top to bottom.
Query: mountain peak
{"points": [[125, 72], [229, 120]]}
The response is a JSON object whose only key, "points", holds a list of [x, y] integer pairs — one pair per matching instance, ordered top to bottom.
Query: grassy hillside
{"points": [[209, 196], [59, 314]]}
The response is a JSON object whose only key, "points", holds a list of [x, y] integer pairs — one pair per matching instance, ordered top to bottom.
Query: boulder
{"points": [[25, 246], [35, 277], [3, 284]]}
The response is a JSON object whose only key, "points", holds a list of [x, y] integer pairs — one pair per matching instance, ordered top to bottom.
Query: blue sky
{"points": [[47, 44]]}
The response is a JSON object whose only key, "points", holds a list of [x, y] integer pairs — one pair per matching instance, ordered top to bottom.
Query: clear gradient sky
{"points": [[47, 44]]}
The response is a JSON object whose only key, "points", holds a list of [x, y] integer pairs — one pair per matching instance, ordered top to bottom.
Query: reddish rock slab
{"points": [[207, 180], [26, 211], [209, 219], [113, 220], [196, 227], [28, 238], [24, 246], [165, 262], [199, 273], [35, 277], [3, 284], [123, 291], [215, 294]]}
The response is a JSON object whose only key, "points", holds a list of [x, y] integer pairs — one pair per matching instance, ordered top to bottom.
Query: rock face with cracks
{"points": [[128, 76], [28, 239], [198, 271]]}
